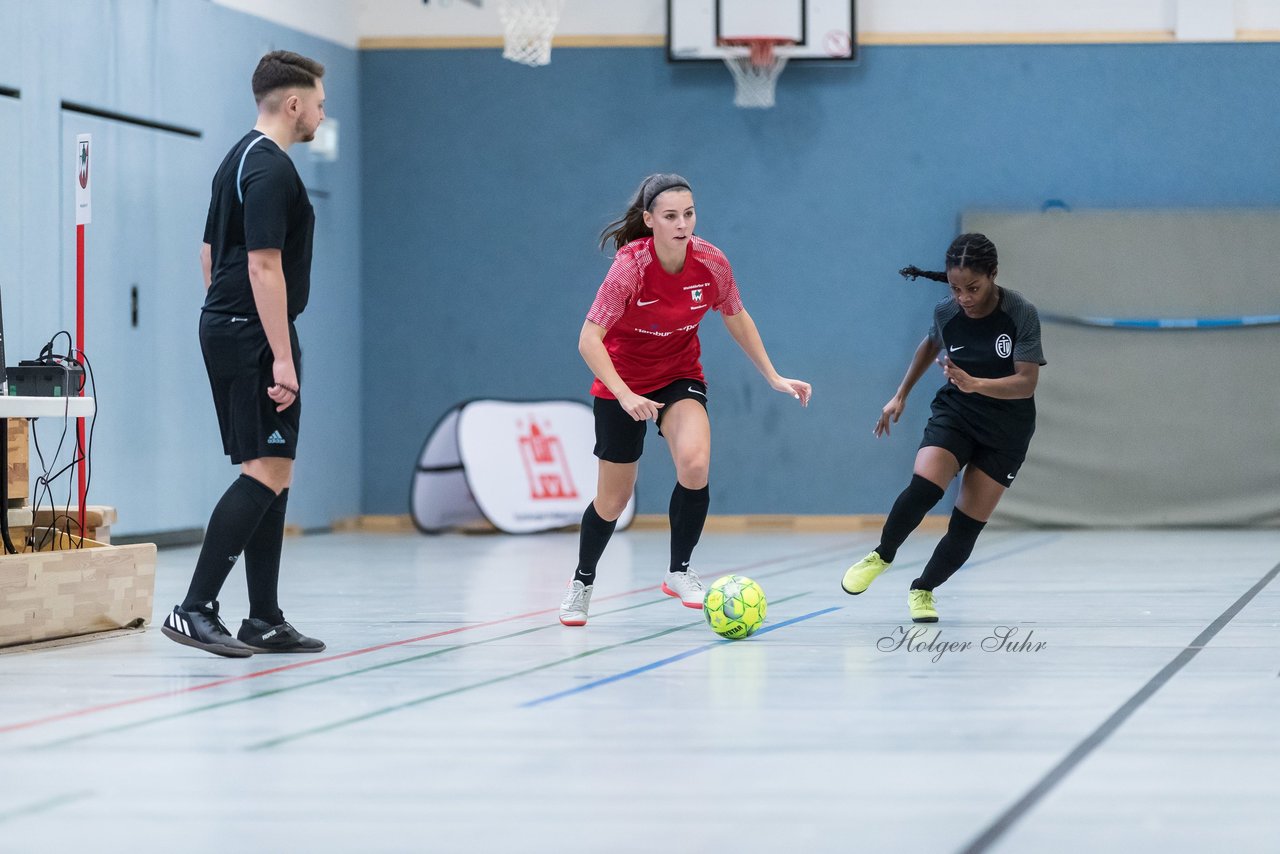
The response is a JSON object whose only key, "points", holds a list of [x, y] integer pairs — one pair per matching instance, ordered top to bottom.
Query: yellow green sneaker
{"points": [[858, 577], [921, 604]]}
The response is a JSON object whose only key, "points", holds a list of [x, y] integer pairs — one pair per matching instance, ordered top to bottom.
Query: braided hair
{"points": [[630, 226], [968, 251]]}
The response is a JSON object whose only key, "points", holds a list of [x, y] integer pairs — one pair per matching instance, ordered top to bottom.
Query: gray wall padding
{"points": [[1137, 427]]}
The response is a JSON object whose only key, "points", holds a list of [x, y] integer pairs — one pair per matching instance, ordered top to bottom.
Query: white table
{"points": [[44, 407]]}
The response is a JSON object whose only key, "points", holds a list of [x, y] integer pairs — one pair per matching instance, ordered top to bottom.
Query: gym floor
{"points": [[1084, 690]]}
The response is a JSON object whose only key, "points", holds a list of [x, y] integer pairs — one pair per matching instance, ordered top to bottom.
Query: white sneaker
{"points": [[687, 586], [577, 599]]}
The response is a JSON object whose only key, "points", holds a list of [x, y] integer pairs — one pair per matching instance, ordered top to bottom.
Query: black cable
{"points": [[43, 487]]}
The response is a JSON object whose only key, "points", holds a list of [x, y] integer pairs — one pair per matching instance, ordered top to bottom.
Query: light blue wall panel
{"points": [[186, 63]]}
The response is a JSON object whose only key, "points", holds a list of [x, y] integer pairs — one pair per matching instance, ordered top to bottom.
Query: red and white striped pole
{"points": [[84, 215]]}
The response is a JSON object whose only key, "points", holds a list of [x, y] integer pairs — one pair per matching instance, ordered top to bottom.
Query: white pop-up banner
{"points": [[522, 466]]}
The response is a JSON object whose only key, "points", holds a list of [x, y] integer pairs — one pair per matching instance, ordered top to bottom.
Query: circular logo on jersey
{"points": [[1004, 346]]}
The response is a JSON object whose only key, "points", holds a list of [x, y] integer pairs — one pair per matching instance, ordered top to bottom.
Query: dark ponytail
{"points": [[630, 226], [968, 251], [916, 272]]}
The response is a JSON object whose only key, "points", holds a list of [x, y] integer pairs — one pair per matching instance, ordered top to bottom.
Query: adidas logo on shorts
{"points": [[275, 438]]}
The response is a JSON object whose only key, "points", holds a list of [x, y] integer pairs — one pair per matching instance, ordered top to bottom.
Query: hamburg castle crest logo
{"points": [[83, 161], [545, 464]]}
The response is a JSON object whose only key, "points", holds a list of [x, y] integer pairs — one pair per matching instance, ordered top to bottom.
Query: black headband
{"points": [[656, 185]]}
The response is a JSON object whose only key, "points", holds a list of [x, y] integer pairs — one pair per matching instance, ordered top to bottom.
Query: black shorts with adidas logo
{"points": [[238, 359]]}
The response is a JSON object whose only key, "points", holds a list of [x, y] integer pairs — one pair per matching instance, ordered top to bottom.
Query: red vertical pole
{"points": [[80, 347]]}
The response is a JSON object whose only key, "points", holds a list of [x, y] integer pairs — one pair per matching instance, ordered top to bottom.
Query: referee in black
{"points": [[256, 261]]}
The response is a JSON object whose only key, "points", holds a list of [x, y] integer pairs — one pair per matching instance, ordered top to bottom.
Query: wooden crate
{"points": [[19, 474], [98, 520], [59, 594]]}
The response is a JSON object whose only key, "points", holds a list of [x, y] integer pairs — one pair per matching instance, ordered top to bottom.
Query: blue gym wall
{"points": [[187, 63], [486, 184], [456, 253]]}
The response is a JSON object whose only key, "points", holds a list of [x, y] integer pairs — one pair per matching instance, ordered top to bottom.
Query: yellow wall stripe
{"points": [[1099, 37]]}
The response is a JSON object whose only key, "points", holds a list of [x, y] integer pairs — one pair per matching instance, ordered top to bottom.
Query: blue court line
{"points": [[1237, 322], [654, 665]]}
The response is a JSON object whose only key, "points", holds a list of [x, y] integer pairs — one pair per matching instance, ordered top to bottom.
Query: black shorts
{"points": [[238, 359], [947, 431], [620, 438]]}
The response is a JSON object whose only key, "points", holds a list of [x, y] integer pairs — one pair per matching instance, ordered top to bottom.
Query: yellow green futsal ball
{"points": [[734, 606]]}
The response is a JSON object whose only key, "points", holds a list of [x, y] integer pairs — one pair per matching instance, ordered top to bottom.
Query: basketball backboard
{"points": [[821, 30]]}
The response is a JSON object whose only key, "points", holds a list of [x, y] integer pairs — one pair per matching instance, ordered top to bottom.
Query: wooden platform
{"points": [[61, 584], [58, 594]]}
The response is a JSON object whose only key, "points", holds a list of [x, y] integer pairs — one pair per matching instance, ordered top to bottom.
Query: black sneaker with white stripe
{"points": [[203, 629], [261, 636]]}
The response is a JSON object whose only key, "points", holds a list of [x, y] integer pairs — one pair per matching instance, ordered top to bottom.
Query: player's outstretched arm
{"points": [[743, 329], [591, 346], [892, 411]]}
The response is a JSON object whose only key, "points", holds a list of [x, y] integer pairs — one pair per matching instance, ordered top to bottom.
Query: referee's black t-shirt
{"points": [[258, 202], [987, 347]]}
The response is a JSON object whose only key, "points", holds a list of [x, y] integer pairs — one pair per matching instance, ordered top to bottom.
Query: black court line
{"points": [[125, 118], [1024, 804], [43, 805]]}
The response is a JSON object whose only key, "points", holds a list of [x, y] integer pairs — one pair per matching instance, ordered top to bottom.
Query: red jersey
{"points": [[652, 316]]}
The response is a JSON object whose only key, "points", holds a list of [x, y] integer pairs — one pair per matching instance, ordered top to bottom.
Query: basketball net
{"points": [[528, 26], [755, 73]]}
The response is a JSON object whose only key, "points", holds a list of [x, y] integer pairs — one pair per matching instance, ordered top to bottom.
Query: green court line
{"points": [[271, 692], [257, 695], [386, 710], [44, 806]]}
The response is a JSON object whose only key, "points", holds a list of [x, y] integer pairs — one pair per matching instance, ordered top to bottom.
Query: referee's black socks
{"points": [[688, 512], [907, 513], [231, 525], [592, 539], [951, 552], [262, 563]]}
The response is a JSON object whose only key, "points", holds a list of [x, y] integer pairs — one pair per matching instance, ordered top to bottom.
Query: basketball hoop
{"points": [[528, 26], [756, 72]]}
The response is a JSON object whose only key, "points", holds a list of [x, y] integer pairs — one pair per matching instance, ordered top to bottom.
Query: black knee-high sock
{"points": [[908, 511], [688, 512], [231, 524], [592, 539], [951, 552], [262, 563]]}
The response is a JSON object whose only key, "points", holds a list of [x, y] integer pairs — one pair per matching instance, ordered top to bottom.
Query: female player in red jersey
{"points": [[640, 340], [982, 417]]}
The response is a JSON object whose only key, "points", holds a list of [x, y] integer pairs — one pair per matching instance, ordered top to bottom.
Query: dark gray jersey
{"points": [[988, 347]]}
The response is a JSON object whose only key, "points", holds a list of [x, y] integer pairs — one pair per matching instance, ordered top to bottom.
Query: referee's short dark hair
{"points": [[284, 69]]}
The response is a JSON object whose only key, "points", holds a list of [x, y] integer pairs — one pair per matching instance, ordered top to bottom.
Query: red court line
{"points": [[311, 662]]}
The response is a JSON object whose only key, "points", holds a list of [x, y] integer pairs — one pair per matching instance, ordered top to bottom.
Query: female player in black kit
{"points": [[981, 421]]}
